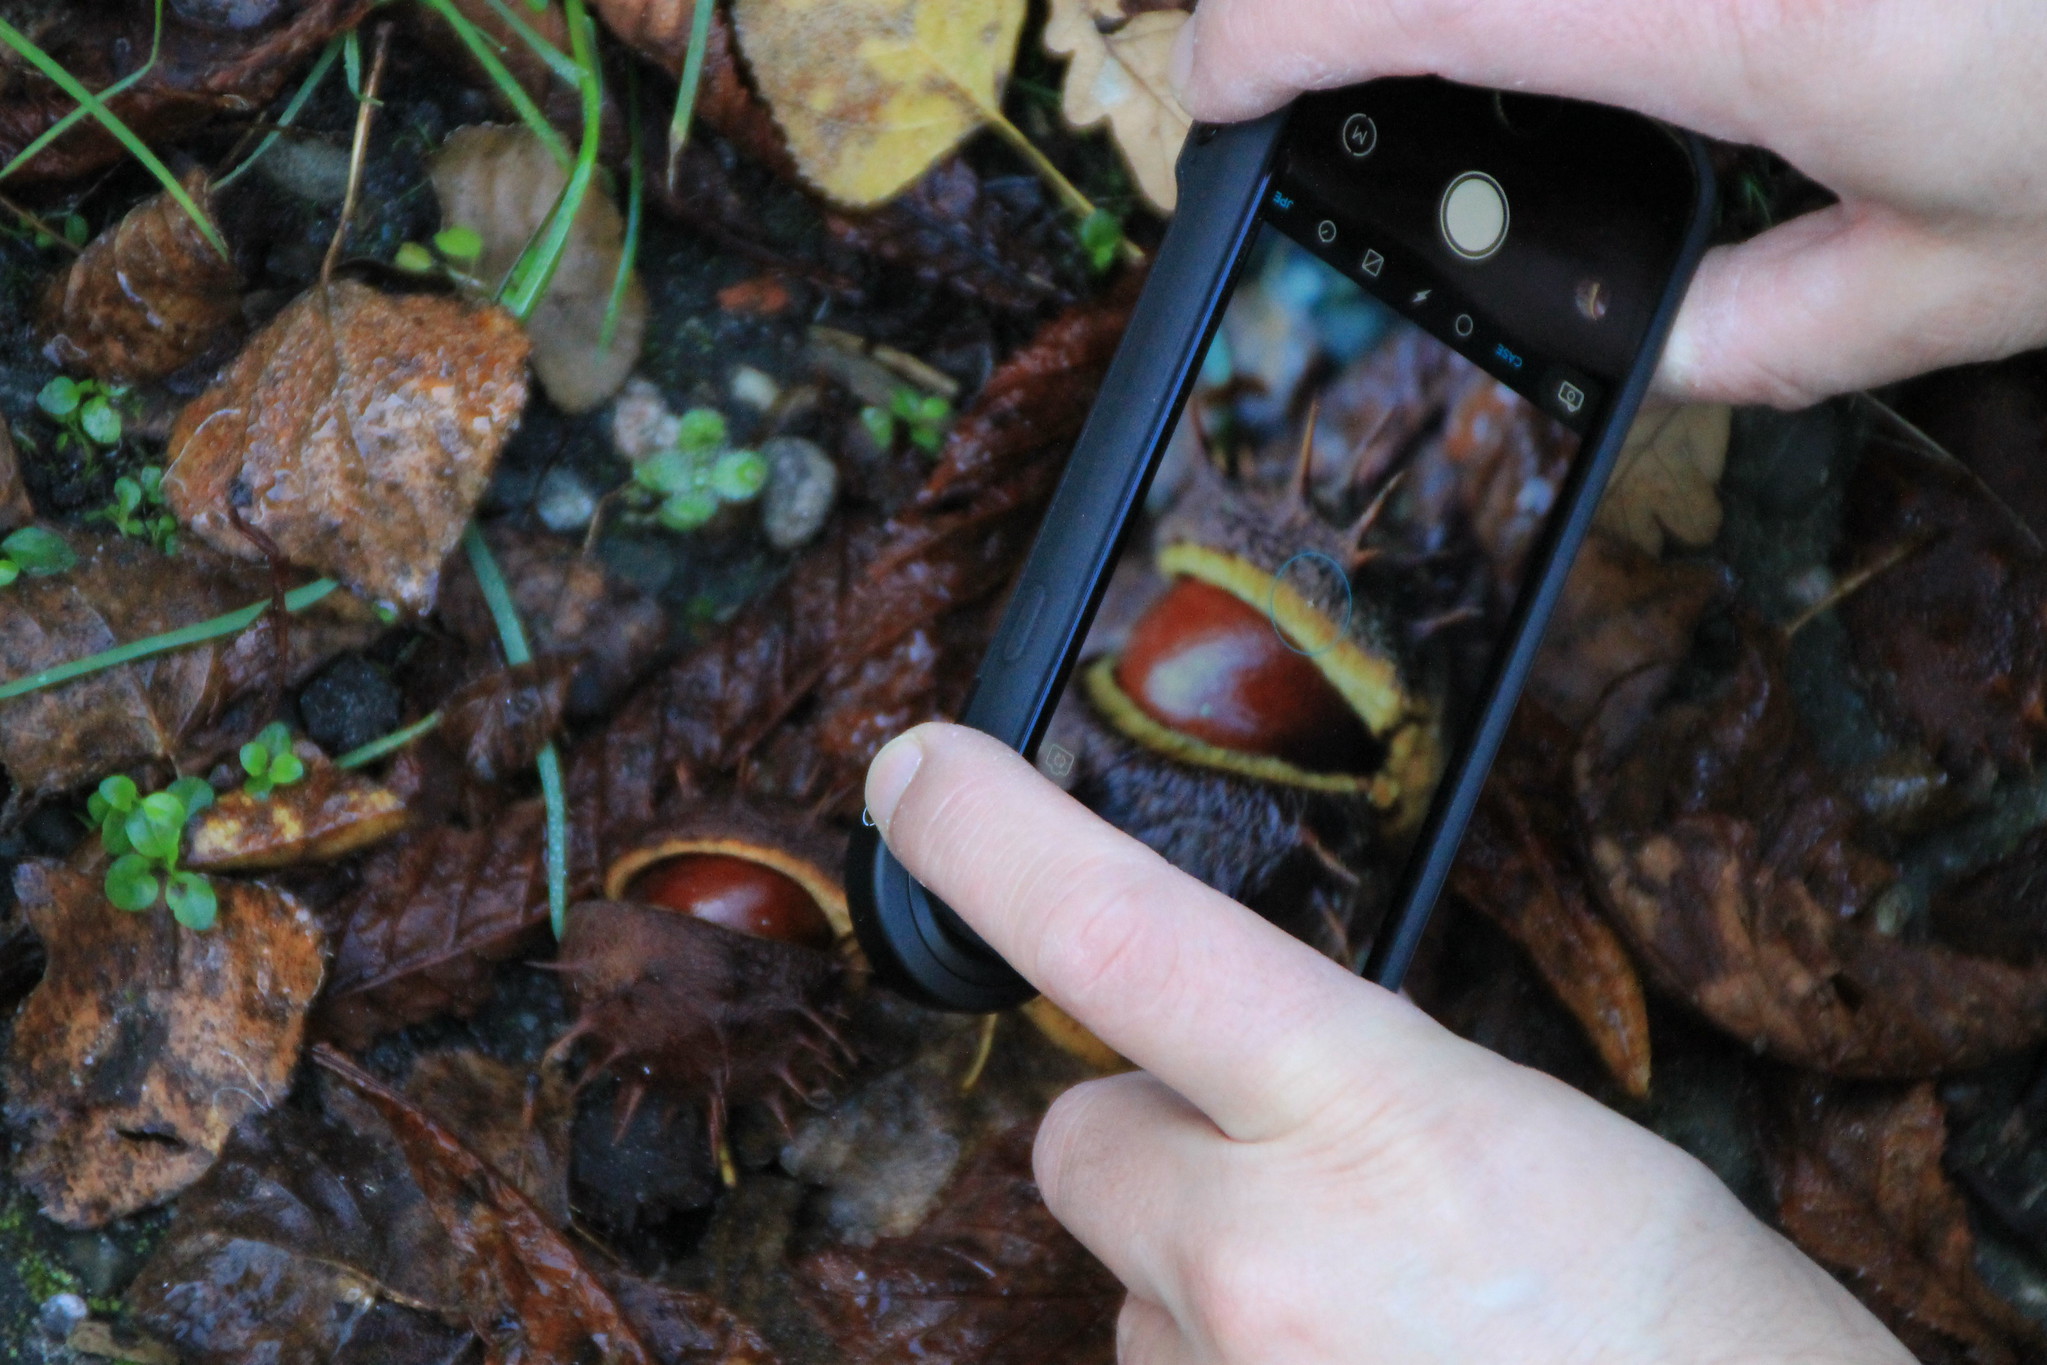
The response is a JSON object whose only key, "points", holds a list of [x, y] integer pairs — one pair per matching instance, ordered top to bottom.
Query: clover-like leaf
{"points": [[460, 243], [59, 397], [98, 420], [880, 424], [701, 431], [670, 471], [739, 475], [688, 511], [36, 550], [9, 571], [286, 768], [195, 792], [120, 793], [131, 885], [193, 901]]}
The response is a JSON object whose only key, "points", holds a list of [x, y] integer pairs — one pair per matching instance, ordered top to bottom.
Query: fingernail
{"points": [[1180, 70], [889, 775]]}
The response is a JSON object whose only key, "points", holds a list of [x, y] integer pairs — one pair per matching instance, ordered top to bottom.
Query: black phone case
{"points": [[916, 943]]}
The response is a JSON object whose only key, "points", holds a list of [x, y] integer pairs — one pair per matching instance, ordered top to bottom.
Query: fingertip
{"points": [[890, 775]]}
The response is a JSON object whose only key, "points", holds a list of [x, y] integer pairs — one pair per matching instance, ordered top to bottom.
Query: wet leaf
{"points": [[202, 72], [1118, 73], [908, 82], [502, 183], [150, 294], [357, 431], [1665, 484], [15, 508], [572, 608], [184, 707], [499, 722], [326, 815], [1518, 866], [1741, 878], [437, 910], [146, 1043], [516, 1121], [1859, 1186], [308, 1243], [989, 1279], [524, 1287], [684, 1328]]}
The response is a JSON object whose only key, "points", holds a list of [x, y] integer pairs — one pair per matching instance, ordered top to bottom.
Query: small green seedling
{"points": [[73, 227], [1101, 239], [454, 253], [86, 412], [922, 417], [683, 487], [138, 509], [36, 552], [269, 761], [145, 835]]}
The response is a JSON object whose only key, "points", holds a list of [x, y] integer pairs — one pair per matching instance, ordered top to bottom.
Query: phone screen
{"points": [[1302, 624]]}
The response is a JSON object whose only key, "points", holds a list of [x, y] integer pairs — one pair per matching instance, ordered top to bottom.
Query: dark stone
{"points": [[349, 704]]}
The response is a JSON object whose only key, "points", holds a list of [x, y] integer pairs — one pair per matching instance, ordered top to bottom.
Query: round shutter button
{"points": [[1473, 215]]}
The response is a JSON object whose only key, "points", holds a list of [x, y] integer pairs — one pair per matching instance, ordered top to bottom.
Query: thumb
{"points": [[1849, 297]]}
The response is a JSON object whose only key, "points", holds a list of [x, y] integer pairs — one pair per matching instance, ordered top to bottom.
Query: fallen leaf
{"points": [[201, 72], [1118, 73], [907, 82], [503, 183], [148, 295], [357, 431], [1665, 485], [15, 508], [572, 607], [1625, 620], [1948, 636], [182, 708], [500, 722], [326, 815], [1518, 866], [1739, 874], [437, 910], [1998, 911], [146, 1042], [515, 1120], [1859, 1186], [307, 1243], [989, 1279], [525, 1288], [684, 1328], [104, 1339]]}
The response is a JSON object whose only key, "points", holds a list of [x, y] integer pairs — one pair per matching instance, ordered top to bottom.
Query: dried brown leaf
{"points": [[201, 72], [1118, 73], [907, 82], [503, 182], [148, 295], [357, 431], [1666, 481], [15, 508], [183, 707], [500, 722], [326, 815], [1518, 866], [436, 912], [146, 1042], [514, 1120], [1859, 1186], [989, 1279], [525, 1288], [684, 1328]]}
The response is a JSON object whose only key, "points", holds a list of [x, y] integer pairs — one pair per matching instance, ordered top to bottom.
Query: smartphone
{"points": [[1284, 599]]}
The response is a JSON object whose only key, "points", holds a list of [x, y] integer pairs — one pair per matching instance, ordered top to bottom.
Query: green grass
{"points": [[486, 51], [692, 79], [307, 89], [529, 277]]}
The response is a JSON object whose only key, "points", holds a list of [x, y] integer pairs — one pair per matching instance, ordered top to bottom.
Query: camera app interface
{"points": [[1304, 619]]}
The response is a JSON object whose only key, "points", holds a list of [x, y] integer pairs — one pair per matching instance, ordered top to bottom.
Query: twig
{"points": [[358, 152], [41, 226], [1855, 582]]}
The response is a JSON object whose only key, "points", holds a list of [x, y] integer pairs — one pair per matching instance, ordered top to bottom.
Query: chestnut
{"points": [[739, 894]]}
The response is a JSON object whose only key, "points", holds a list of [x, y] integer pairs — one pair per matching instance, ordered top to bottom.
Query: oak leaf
{"points": [[1117, 73], [904, 83], [503, 183], [146, 296], [357, 432], [1665, 484], [327, 814], [146, 1042]]}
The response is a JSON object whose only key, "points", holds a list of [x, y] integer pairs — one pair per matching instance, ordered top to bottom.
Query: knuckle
{"points": [[1100, 941]]}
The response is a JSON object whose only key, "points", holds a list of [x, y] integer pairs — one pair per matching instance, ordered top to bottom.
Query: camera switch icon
{"points": [[1056, 761]]}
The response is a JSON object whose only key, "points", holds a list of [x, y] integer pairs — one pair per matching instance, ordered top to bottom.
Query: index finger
{"points": [[1235, 1015]]}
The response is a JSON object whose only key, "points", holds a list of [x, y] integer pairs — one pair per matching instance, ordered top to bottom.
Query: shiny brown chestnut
{"points": [[738, 893]]}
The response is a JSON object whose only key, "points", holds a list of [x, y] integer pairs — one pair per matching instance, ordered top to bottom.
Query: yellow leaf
{"points": [[1118, 73], [871, 92], [502, 182], [1666, 481]]}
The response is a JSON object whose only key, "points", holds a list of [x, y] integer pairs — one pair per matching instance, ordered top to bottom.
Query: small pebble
{"points": [[316, 172], [754, 388], [641, 421], [802, 485], [564, 504], [349, 704], [60, 1313]]}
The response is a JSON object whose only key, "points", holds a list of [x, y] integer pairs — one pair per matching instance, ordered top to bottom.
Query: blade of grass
{"points": [[482, 47], [557, 61], [692, 79], [307, 89], [72, 119], [121, 132], [635, 206], [1082, 207], [534, 271], [298, 599], [512, 638], [389, 744]]}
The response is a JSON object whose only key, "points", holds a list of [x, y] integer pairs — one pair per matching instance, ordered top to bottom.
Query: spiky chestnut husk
{"points": [[1236, 541]]}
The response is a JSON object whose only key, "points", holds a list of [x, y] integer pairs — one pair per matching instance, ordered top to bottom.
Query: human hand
{"points": [[1924, 119], [1309, 1168]]}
